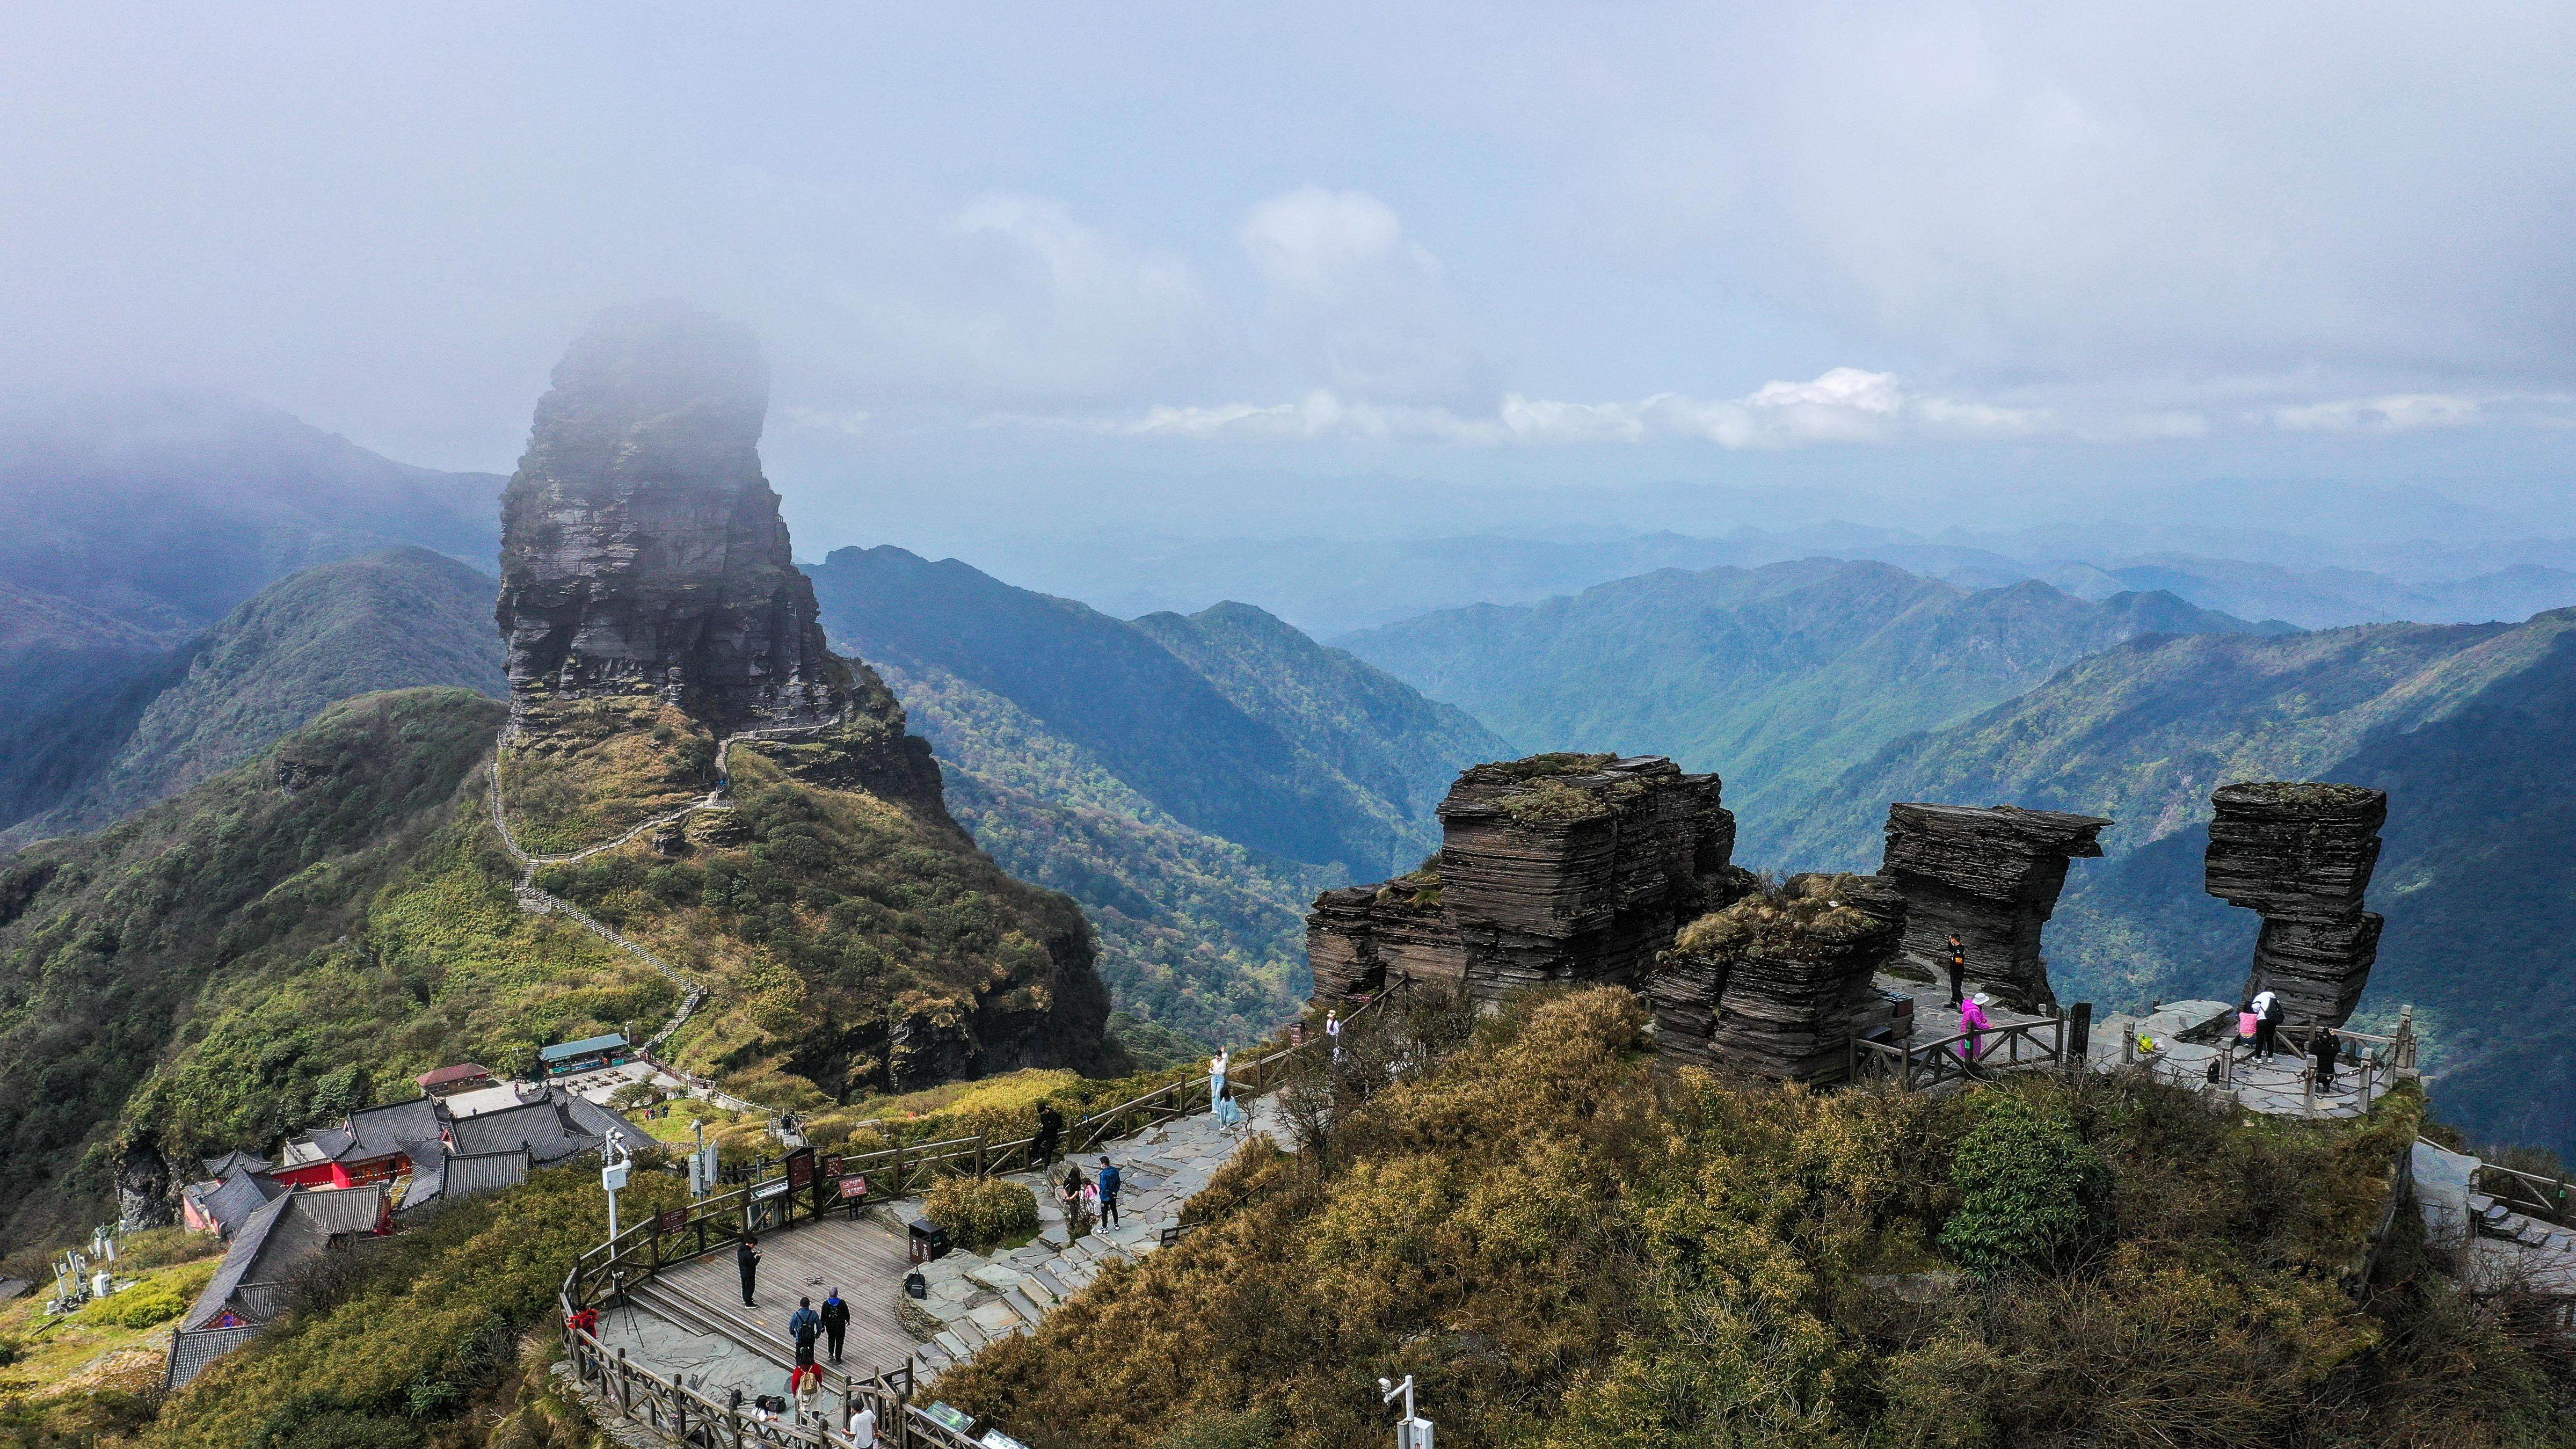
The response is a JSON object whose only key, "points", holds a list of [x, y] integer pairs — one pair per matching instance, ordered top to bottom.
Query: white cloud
{"points": [[1355, 305], [1844, 405], [2380, 414], [852, 420]]}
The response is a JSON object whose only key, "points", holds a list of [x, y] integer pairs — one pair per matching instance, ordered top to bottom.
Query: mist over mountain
{"points": [[166, 509]]}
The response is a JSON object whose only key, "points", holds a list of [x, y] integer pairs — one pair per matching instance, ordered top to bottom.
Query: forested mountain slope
{"points": [[393, 619], [1778, 678], [72, 681], [2470, 728], [1193, 781]]}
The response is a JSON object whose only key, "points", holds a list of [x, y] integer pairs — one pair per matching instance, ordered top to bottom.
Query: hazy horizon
{"points": [[1028, 272]]}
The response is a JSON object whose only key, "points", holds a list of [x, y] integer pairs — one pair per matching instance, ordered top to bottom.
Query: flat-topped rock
{"points": [[2301, 855], [1554, 868], [1990, 877], [1773, 984]]}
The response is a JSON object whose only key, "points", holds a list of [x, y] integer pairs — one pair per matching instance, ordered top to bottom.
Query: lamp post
{"points": [[615, 1165], [1410, 1432]]}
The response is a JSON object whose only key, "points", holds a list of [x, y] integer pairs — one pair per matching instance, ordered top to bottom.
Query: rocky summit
{"points": [[641, 549], [2301, 855], [1556, 868], [1990, 878]]}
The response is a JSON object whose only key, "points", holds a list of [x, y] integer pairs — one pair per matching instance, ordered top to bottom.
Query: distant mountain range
{"points": [[1779, 678], [2471, 730], [1193, 781]]}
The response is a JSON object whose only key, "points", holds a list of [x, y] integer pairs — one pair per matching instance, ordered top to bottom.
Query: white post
{"points": [[615, 1163], [1410, 1432]]}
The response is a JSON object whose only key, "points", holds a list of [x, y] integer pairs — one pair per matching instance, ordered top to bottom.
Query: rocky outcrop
{"points": [[642, 550], [2301, 855], [1554, 868], [1989, 877], [1774, 984]]}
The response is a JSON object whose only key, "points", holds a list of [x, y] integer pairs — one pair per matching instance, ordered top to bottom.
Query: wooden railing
{"points": [[2016, 1046], [2527, 1193], [718, 1221], [687, 1416]]}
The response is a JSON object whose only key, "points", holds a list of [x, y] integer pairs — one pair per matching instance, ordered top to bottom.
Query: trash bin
{"points": [[929, 1240]]}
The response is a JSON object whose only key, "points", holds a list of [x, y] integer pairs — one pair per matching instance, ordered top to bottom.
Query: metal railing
{"points": [[2015, 1046], [718, 1221]]}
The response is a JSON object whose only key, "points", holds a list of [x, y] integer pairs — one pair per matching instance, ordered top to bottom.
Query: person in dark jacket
{"points": [[1958, 970], [2325, 1050], [1050, 1132], [1108, 1180], [747, 1258], [836, 1321], [803, 1327]]}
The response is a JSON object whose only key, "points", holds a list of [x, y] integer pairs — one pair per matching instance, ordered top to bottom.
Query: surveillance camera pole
{"points": [[615, 1163], [1410, 1432]]}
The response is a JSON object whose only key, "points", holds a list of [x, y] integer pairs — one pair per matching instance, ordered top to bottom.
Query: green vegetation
{"points": [[1778, 677], [588, 770], [2030, 1189], [982, 1212], [1569, 1247], [396, 1346]]}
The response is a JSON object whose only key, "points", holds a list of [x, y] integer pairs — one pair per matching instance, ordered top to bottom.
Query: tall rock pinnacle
{"points": [[642, 550]]}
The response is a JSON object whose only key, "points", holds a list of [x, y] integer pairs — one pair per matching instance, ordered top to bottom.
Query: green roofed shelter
{"points": [[581, 1056]]}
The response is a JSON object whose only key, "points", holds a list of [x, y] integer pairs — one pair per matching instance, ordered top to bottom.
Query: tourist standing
{"points": [[1958, 970], [1974, 1021], [2267, 1023], [2249, 1027], [1333, 1032], [2325, 1050], [1050, 1133], [1108, 1193], [1076, 1218], [747, 1258], [836, 1322], [863, 1425]]}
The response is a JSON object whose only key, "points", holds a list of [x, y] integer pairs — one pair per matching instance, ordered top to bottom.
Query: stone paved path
{"points": [[974, 1299]]}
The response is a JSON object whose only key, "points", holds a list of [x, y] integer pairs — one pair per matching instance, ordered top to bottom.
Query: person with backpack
{"points": [[2267, 1023], [2325, 1051], [1108, 1193], [1077, 1194], [746, 1258], [836, 1322], [803, 1327]]}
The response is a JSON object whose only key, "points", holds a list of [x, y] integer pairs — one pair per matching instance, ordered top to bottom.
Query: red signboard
{"points": [[832, 1165], [800, 1168], [853, 1187], [674, 1221]]}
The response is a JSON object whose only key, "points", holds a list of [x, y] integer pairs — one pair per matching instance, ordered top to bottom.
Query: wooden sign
{"points": [[800, 1167], [853, 1188], [674, 1221]]}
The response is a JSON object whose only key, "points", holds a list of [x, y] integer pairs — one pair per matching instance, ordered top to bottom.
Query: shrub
{"points": [[2030, 1190], [981, 1211], [140, 1306]]}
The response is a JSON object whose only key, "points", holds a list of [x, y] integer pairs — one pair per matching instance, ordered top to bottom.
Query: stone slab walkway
{"points": [[973, 1299]]}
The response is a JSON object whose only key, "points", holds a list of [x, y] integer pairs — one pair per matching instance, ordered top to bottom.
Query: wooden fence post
{"points": [[2076, 1042]]}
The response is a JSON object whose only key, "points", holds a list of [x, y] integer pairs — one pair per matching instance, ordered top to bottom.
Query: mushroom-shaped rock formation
{"points": [[642, 550], [2301, 855], [1554, 868], [1989, 877], [1773, 984]]}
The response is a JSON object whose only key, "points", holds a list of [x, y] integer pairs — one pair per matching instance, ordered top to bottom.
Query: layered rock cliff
{"points": [[641, 549], [2301, 855], [1556, 868], [1989, 877], [1773, 984]]}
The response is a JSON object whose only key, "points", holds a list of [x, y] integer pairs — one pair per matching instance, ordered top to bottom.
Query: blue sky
{"points": [[1149, 265]]}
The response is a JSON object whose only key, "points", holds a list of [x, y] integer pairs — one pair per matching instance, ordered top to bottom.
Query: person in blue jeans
{"points": [[1108, 1181]]}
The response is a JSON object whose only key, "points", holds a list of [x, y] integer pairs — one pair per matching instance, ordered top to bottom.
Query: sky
{"points": [[1030, 269]]}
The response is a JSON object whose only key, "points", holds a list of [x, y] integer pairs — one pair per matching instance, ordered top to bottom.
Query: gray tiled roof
{"points": [[538, 1126], [381, 1131], [225, 1166], [237, 1197], [274, 1243], [12, 1287], [190, 1352]]}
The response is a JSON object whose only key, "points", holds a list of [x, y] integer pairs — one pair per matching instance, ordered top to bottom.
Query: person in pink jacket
{"points": [[1974, 1021]]}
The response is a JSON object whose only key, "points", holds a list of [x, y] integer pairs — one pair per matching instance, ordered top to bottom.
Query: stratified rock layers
{"points": [[641, 549], [2301, 855], [1551, 869], [1991, 878], [1772, 984]]}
